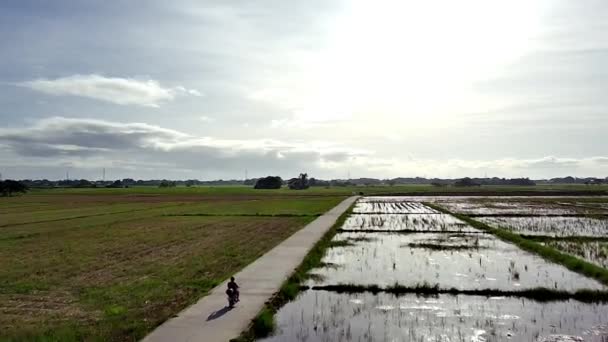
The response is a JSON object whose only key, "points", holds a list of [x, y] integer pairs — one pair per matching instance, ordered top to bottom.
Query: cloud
{"points": [[122, 91], [192, 92], [205, 118], [91, 134], [73, 141], [142, 150]]}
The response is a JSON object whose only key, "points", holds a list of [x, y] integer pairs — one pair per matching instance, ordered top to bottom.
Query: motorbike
{"points": [[232, 297]]}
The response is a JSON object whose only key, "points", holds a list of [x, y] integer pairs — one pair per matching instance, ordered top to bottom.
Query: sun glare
{"points": [[402, 58]]}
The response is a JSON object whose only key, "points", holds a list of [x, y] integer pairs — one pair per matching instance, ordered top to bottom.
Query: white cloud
{"points": [[122, 91], [194, 92], [205, 118], [74, 140], [140, 147]]}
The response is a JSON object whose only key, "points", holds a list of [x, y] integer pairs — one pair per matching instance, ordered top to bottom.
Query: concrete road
{"points": [[210, 320]]}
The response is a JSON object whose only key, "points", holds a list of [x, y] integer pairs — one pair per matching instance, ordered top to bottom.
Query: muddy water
{"points": [[550, 226], [468, 261], [327, 316]]}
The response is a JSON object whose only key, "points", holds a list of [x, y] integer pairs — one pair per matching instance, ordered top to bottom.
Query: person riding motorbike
{"points": [[233, 290]]}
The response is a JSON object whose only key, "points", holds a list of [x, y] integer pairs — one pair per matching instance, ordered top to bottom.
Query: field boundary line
{"points": [[242, 215], [85, 216], [597, 216], [406, 231], [540, 294]]}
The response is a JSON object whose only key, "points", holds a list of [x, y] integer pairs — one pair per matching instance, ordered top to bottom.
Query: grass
{"points": [[250, 215], [598, 216], [402, 231], [361, 239], [577, 239], [340, 243], [443, 247], [595, 252], [572, 263], [112, 264], [88, 266], [291, 288], [540, 294], [263, 324]]}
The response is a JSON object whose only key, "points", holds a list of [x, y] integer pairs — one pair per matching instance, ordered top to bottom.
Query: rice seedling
{"points": [[390, 206], [503, 207], [406, 223], [550, 226], [595, 252], [464, 262], [572, 263], [380, 316]]}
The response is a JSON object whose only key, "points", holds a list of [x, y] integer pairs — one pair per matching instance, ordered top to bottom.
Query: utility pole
{"points": [[103, 178]]}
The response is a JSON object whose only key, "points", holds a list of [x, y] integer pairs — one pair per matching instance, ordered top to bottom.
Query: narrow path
{"points": [[209, 320]]}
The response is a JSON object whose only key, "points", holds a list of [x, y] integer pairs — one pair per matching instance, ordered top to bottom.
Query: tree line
{"points": [[310, 182], [11, 187]]}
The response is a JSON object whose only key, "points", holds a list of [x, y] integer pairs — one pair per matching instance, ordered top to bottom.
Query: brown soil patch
{"points": [[20, 310]]}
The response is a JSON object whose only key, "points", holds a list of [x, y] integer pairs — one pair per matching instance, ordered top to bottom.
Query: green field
{"points": [[112, 264]]}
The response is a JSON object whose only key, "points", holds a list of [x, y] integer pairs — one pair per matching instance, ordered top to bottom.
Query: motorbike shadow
{"points": [[219, 313]]}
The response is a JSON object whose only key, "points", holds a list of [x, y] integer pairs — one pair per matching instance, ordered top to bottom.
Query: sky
{"points": [[223, 89]]}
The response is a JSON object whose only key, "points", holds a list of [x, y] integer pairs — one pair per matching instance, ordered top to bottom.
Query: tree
{"points": [[250, 181], [128, 182], [269, 182], [317, 182], [466, 182], [83, 183], [299, 183], [116, 184], [166, 184], [10, 187]]}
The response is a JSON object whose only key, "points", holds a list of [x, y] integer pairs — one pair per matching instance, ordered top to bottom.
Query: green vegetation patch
{"points": [[442, 247], [79, 265], [540, 294]]}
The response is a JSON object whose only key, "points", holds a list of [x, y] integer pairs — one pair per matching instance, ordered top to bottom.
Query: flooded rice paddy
{"points": [[391, 206], [545, 206], [472, 207], [409, 222], [551, 226], [390, 241], [595, 252], [465, 262], [329, 316]]}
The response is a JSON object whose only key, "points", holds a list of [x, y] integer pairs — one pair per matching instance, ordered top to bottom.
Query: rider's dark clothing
{"points": [[234, 287]]}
